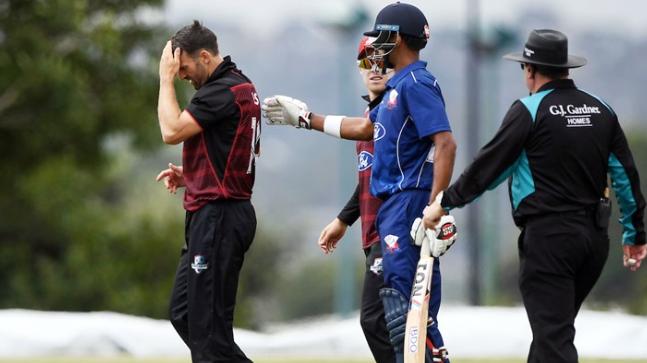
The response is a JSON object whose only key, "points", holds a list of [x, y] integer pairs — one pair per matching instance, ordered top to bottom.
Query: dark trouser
{"points": [[561, 258], [204, 294], [372, 311]]}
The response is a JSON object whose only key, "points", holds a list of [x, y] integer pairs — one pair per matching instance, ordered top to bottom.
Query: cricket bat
{"points": [[417, 317]]}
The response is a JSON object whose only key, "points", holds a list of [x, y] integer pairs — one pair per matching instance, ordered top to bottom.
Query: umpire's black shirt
{"points": [[557, 147]]}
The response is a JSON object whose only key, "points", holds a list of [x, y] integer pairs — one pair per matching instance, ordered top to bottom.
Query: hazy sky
{"points": [[621, 16]]}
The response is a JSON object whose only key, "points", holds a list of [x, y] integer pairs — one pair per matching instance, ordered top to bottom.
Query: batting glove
{"points": [[284, 110], [418, 232], [445, 236], [440, 238]]}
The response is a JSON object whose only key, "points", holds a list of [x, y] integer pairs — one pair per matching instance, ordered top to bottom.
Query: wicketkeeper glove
{"points": [[284, 110], [440, 238]]}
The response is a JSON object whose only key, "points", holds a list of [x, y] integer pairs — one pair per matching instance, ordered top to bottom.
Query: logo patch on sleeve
{"points": [[393, 100], [378, 131], [364, 160], [199, 263]]}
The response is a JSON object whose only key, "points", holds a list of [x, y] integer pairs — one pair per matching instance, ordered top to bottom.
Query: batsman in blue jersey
{"points": [[413, 161]]}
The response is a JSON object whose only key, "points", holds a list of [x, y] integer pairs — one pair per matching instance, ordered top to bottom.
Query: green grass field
{"points": [[275, 360]]}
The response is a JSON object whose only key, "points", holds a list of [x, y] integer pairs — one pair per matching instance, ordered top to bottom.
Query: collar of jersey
{"points": [[222, 68], [404, 72], [557, 84], [375, 102]]}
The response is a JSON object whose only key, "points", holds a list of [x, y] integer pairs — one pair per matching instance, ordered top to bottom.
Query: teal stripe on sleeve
{"points": [[505, 175], [522, 182], [494, 184], [622, 186]]}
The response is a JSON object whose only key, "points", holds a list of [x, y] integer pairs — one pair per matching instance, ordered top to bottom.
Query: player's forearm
{"points": [[168, 111], [351, 128], [444, 157], [626, 184], [351, 211]]}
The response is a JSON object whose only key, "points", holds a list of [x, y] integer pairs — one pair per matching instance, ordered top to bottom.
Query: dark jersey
{"points": [[556, 147], [219, 162], [363, 204]]}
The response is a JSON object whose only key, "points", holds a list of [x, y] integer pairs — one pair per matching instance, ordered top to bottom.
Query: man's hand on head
{"points": [[169, 63]]}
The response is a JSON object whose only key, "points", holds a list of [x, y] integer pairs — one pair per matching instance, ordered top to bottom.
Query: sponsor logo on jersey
{"points": [[393, 100], [575, 116], [378, 131], [364, 160], [391, 243], [199, 264], [376, 267]]}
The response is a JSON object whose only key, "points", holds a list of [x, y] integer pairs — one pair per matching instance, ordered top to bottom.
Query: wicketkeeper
{"points": [[362, 205]]}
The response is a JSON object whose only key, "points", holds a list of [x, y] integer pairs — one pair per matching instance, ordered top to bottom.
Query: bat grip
{"points": [[425, 250]]}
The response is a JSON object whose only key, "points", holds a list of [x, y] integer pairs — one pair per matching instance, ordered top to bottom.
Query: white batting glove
{"points": [[284, 110], [418, 232], [445, 235], [440, 238]]}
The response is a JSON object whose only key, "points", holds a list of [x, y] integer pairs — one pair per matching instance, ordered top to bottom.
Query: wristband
{"points": [[304, 121], [332, 125]]}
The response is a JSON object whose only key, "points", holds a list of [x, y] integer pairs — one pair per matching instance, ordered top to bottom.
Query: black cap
{"points": [[403, 18], [546, 47]]}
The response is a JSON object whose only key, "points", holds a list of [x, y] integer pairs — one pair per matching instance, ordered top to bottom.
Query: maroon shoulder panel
{"points": [[240, 171]]}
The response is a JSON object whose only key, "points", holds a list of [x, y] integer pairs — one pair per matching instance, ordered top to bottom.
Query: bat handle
{"points": [[425, 250]]}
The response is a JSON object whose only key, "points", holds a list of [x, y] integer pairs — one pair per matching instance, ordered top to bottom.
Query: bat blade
{"points": [[417, 316]]}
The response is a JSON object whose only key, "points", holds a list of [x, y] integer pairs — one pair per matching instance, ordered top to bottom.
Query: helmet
{"points": [[396, 18], [403, 18], [364, 43], [365, 58]]}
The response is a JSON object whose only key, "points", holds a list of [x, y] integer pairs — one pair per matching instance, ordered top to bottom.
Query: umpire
{"points": [[557, 146]]}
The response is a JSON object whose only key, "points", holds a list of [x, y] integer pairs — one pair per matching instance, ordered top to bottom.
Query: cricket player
{"points": [[220, 132], [557, 147], [413, 161], [365, 206]]}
